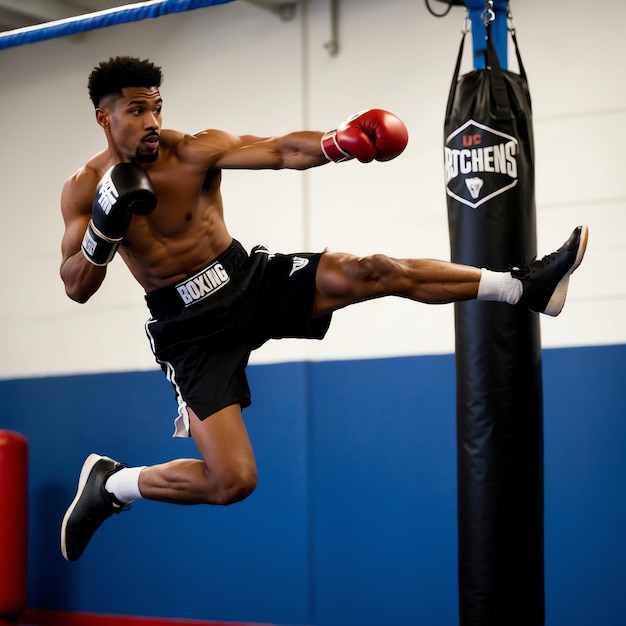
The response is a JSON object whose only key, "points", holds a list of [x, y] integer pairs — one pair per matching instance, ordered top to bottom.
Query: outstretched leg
{"points": [[344, 279]]}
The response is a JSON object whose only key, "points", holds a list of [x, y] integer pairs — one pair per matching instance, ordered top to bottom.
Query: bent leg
{"points": [[344, 279], [226, 474]]}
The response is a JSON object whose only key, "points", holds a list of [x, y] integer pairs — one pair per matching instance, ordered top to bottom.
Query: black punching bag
{"points": [[489, 165]]}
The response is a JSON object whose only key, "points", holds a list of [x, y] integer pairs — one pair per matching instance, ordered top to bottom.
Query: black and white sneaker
{"points": [[545, 281], [91, 506]]}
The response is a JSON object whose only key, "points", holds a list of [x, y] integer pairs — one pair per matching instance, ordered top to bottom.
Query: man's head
{"points": [[110, 77], [125, 92]]}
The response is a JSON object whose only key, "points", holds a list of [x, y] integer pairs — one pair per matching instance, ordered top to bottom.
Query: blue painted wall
{"points": [[354, 518]]}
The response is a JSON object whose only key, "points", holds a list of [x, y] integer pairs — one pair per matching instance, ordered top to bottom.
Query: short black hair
{"points": [[110, 77]]}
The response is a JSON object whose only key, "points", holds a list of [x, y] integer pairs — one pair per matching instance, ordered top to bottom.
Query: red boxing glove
{"points": [[368, 135]]}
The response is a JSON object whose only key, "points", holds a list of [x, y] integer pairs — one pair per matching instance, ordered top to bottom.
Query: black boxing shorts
{"points": [[203, 329]]}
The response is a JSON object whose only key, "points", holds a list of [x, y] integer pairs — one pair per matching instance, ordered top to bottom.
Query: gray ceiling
{"points": [[20, 13]]}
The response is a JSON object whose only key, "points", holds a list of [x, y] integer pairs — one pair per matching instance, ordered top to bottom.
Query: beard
{"points": [[147, 158]]}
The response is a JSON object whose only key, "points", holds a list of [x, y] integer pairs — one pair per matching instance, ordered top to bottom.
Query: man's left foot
{"points": [[545, 281], [92, 505]]}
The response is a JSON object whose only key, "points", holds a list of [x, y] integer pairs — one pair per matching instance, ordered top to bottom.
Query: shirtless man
{"points": [[153, 197]]}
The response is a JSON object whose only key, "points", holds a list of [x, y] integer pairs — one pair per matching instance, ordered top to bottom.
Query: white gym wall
{"points": [[242, 69]]}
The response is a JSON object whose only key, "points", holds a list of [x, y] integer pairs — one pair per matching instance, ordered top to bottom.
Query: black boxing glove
{"points": [[124, 190]]}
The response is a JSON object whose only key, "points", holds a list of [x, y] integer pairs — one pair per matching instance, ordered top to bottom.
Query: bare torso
{"points": [[185, 231]]}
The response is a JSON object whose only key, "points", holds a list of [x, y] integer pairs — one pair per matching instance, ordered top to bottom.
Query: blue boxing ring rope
{"points": [[100, 19]]}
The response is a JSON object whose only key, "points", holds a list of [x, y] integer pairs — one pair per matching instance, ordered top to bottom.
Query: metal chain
{"points": [[488, 14], [509, 21], [467, 23]]}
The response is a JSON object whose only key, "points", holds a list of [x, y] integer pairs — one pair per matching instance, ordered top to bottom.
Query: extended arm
{"points": [[369, 135], [219, 150], [296, 151]]}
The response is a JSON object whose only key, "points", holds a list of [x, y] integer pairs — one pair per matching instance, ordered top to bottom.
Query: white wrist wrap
{"points": [[331, 149], [98, 248]]}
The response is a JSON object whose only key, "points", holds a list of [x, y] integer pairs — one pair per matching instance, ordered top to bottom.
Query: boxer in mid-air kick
{"points": [[153, 196]]}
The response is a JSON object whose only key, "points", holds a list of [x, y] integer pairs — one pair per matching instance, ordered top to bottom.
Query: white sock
{"points": [[499, 287], [124, 485]]}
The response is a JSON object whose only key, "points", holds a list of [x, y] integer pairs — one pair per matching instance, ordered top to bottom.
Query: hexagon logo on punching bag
{"points": [[480, 163]]}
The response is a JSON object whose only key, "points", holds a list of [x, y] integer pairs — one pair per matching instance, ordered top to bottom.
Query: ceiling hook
{"points": [[488, 15]]}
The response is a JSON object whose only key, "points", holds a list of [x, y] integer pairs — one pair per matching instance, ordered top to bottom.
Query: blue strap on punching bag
{"points": [[495, 13], [489, 164]]}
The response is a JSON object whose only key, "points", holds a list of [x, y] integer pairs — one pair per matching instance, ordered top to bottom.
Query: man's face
{"points": [[134, 122]]}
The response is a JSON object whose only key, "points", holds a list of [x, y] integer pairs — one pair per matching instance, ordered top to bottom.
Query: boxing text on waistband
{"points": [[203, 284]]}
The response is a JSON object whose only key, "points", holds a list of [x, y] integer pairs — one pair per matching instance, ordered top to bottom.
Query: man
{"points": [[153, 196]]}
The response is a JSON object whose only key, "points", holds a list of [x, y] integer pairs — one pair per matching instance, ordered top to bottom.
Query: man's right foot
{"points": [[545, 281], [91, 506]]}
